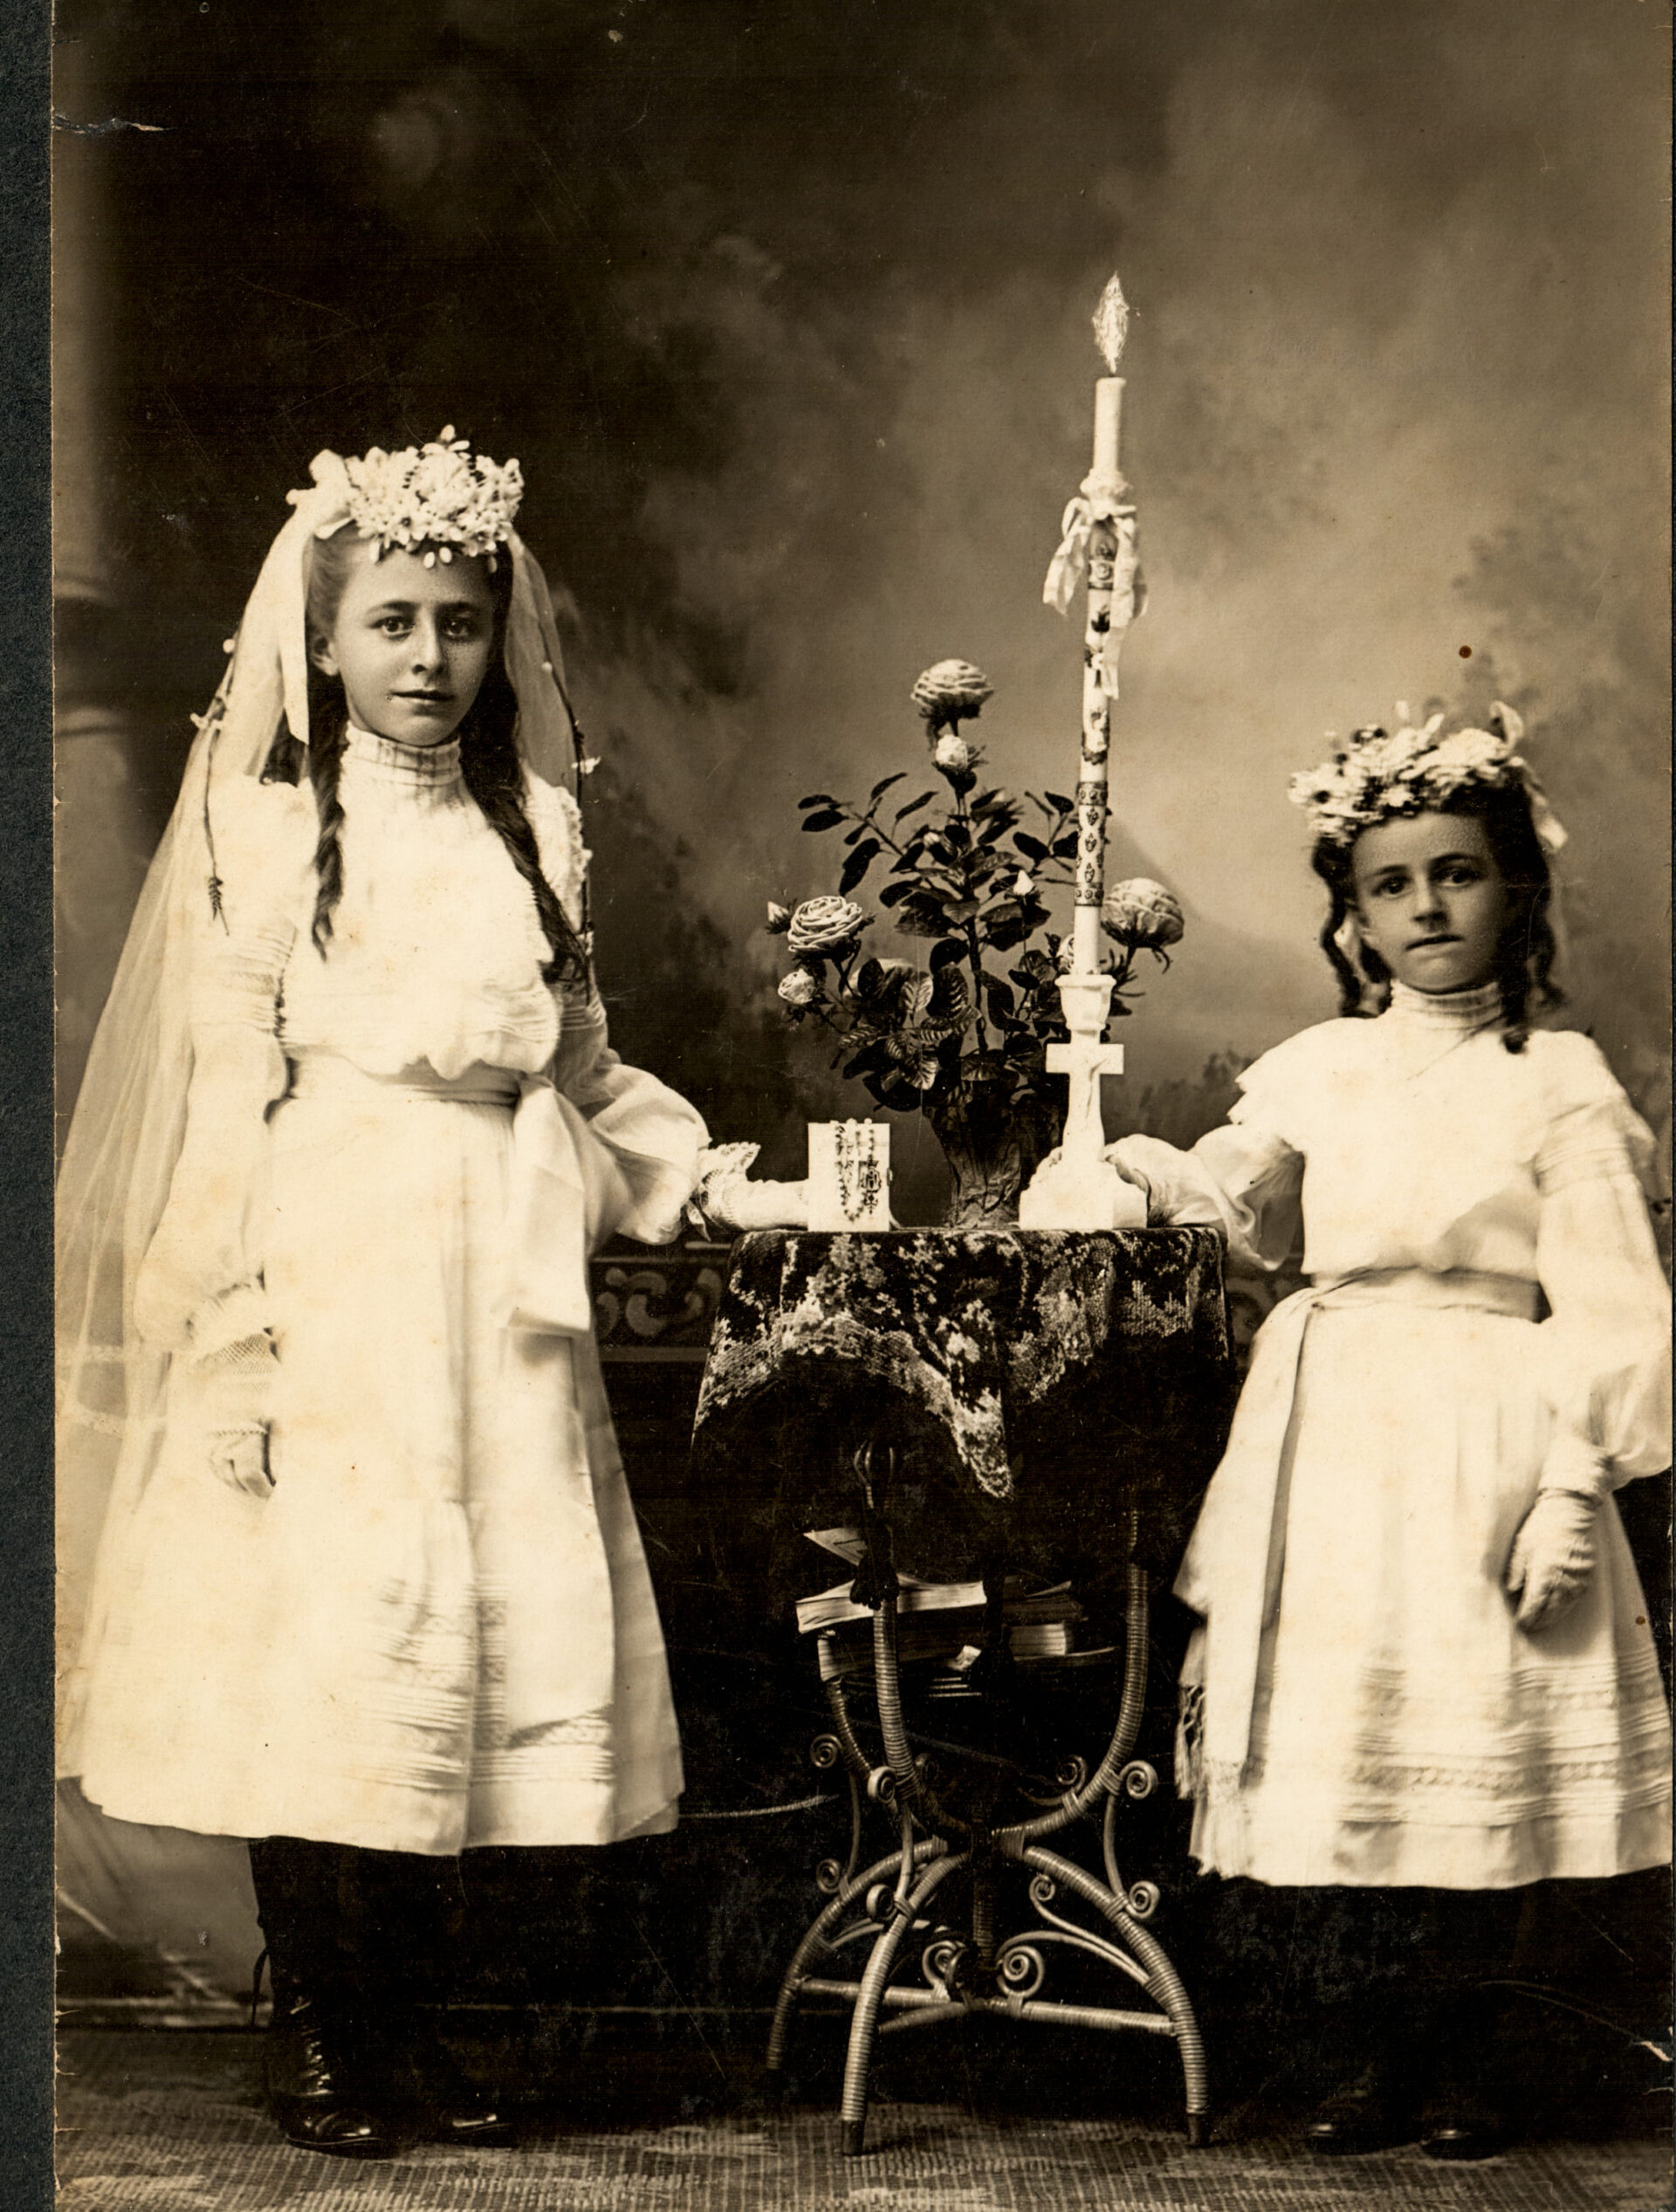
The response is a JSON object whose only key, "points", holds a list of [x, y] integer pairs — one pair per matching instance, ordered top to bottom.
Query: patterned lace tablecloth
{"points": [[1034, 1383]]}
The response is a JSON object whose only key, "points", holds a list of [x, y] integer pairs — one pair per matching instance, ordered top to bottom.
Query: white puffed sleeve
{"points": [[648, 1138], [1244, 1178], [199, 1288], [1604, 1350]]}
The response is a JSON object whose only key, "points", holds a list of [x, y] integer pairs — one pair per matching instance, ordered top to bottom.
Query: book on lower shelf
{"points": [[834, 1608], [943, 1621]]}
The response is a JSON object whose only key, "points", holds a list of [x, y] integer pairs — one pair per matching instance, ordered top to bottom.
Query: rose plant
{"points": [[964, 1037]]}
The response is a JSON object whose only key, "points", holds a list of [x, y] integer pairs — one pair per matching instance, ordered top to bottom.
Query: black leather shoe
{"points": [[440, 2099], [313, 2103], [1369, 2115], [470, 2121], [1464, 2129]]}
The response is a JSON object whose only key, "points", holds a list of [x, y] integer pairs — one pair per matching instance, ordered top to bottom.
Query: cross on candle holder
{"points": [[1078, 1188]]}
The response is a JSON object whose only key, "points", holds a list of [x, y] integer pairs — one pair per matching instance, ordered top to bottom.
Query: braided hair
{"points": [[490, 764], [1526, 950]]}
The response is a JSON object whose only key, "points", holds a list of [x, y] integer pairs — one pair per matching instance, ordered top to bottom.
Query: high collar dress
{"points": [[1485, 1314], [435, 1629]]}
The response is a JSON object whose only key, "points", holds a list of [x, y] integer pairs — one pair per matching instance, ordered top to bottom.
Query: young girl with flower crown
{"points": [[369, 1590], [1424, 1674]]}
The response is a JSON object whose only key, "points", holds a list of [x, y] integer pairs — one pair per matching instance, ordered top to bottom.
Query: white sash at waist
{"points": [[317, 1075], [543, 1280], [1232, 1568]]}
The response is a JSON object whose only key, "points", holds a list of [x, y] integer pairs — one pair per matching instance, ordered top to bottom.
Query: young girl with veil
{"points": [[368, 1587], [1424, 1679]]}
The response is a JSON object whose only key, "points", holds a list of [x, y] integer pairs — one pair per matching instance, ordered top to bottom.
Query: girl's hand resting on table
{"points": [[727, 1199], [1552, 1558]]}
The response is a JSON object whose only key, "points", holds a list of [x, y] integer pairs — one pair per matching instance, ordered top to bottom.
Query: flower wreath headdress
{"points": [[438, 495], [1380, 773]]}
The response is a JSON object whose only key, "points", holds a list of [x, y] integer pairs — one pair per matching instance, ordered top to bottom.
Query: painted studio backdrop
{"points": [[786, 313]]}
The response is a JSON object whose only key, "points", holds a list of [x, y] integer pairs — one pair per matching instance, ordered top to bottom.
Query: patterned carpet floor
{"points": [[172, 2122]]}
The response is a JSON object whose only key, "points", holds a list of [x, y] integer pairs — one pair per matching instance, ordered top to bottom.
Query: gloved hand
{"points": [[727, 1199], [742, 1205], [234, 1386], [239, 1457], [1553, 1556]]}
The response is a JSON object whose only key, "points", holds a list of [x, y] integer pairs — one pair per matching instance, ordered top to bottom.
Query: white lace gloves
{"points": [[726, 1199], [233, 1387], [1554, 1550], [1553, 1556]]}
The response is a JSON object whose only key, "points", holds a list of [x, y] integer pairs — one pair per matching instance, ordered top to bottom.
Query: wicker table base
{"points": [[893, 1914]]}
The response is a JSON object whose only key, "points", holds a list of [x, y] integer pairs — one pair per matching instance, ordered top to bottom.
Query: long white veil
{"points": [[130, 1114]]}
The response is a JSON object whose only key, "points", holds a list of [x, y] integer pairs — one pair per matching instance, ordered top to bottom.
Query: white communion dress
{"points": [[1485, 1311], [436, 1629]]}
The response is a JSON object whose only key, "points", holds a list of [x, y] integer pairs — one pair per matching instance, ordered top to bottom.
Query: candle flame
{"points": [[1111, 324]]}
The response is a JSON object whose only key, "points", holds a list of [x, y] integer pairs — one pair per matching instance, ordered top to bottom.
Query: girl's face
{"points": [[411, 644], [1431, 900]]}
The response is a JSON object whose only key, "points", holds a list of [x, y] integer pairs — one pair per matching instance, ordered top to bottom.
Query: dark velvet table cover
{"points": [[1034, 1383]]}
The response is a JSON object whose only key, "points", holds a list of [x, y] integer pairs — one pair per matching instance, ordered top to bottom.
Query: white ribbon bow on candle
{"points": [[1099, 500]]}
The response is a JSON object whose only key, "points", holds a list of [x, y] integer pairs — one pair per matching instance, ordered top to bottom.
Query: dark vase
{"points": [[993, 1149]]}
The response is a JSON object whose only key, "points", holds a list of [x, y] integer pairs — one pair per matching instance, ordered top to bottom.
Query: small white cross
{"points": [[1084, 1059], [1080, 1189]]}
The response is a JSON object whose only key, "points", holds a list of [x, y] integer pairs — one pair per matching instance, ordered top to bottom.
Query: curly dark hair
{"points": [[489, 762], [1526, 952]]}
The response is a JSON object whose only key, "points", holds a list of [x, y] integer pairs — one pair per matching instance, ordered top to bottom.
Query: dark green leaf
{"points": [[879, 789], [818, 798], [1066, 805], [914, 806], [826, 820], [1064, 847], [1031, 848], [858, 865], [894, 893], [921, 921], [951, 949], [949, 997], [998, 1001]]}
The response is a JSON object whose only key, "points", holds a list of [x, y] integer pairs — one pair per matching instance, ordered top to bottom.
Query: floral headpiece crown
{"points": [[438, 496], [1380, 773]]}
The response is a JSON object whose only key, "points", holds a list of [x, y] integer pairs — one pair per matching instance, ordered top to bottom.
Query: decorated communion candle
{"points": [[1105, 486], [1080, 1189]]}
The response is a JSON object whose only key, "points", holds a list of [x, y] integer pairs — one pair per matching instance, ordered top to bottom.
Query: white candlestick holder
{"points": [[1078, 1188]]}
